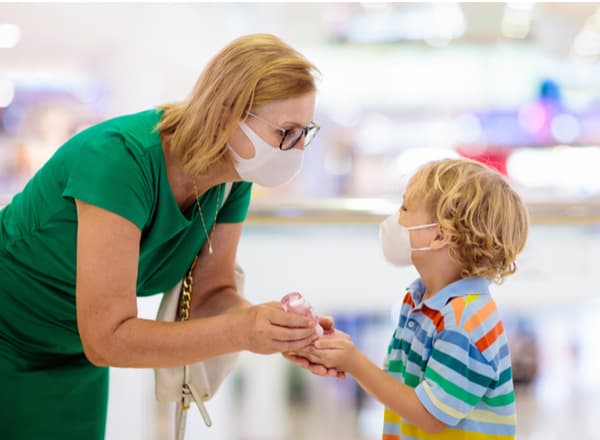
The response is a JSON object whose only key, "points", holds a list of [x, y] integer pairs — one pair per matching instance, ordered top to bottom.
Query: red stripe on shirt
{"points": [[408, 300], [435, 316]]}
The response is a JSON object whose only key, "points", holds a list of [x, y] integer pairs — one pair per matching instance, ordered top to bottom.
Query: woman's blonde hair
{"points": [[252, 70], [484, 216]]}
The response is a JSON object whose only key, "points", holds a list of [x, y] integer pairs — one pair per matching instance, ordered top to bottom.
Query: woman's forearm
{"points": [[223, 301], [264, 329], [151, 344]]}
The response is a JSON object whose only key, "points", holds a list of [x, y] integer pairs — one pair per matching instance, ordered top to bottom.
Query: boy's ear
{"points": [[441, 240]]}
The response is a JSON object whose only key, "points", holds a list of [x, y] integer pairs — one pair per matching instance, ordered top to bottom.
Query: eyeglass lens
{"points": [[294, 135]]}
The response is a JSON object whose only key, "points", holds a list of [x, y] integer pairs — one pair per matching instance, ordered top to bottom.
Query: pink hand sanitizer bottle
{"points": [[296, 303]]}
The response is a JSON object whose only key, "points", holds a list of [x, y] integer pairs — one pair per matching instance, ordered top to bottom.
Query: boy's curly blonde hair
{"points": [[485, 217]]}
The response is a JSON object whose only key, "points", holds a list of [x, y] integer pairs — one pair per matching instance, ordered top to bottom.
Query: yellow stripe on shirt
{"points": [[440, 405], [481, 415], [390, 416], [409, 430]]}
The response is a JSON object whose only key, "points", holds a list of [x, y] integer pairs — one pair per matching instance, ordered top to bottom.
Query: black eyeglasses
{"points": [[291, 136]]}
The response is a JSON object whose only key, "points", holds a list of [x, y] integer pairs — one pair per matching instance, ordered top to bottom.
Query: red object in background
{"points": [[493, 156]]}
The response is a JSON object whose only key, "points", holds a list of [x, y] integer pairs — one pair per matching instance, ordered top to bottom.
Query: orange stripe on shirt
{"points": [[458, 304], [475, 321], [490, 337], [390, 437]]}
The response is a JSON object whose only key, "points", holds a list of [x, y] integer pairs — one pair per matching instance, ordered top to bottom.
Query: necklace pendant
{"points": [[206, 234]]}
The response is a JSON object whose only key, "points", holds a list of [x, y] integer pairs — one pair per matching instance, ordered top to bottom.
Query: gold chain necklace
{"points": [[208, 236]]}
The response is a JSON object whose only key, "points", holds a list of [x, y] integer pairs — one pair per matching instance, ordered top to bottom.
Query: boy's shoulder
{"points": [[467, 305], [470, 310], [474, 317]]}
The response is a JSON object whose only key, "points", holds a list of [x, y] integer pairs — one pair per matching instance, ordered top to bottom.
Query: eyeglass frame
{"points": [[285, 131]]}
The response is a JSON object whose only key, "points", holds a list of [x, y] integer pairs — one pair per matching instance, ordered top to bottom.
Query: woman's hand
{"points": [[267, 329]]}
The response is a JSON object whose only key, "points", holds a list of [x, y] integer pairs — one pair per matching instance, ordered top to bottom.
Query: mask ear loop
{"points": [[418, 227], [415, 228]]}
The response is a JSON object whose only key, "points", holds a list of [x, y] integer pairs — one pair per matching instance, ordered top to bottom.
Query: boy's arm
{"points": [[337, 350], [397, 396]]}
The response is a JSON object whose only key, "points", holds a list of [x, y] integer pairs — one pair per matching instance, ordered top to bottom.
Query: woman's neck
{"points": [[185, 187]]}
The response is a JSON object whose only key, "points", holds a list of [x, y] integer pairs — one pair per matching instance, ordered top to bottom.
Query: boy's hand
{"points": [[326, 323], [334, 350], [299, 358]]}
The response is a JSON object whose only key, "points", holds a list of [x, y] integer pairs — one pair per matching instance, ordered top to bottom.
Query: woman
{"points": [[122, 209]]}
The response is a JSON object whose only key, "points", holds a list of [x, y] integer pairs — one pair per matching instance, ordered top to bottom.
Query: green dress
{"points": [[48, 388]]}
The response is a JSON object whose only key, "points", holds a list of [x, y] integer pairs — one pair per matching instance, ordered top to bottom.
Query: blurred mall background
{"points": [[515, 85]]}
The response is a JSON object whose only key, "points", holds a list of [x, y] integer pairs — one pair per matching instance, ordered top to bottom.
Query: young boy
{"points": [[447, 371]]}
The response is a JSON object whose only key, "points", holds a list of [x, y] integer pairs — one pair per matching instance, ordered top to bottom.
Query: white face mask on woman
{"points": [[270, 166], [395, 241]]}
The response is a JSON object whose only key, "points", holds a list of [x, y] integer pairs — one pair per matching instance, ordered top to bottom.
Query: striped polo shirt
{"points": [[453, 350]]}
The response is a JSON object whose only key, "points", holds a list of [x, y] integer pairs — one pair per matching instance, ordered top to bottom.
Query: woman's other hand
{"points": [[269, 329], [315, 368]]}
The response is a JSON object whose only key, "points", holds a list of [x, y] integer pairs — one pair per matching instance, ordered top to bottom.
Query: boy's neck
{"points": [[437, 269], [436, 281]]}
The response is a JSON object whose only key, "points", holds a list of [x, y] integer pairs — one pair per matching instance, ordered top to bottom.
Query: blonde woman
{"points": [[121, 210]]}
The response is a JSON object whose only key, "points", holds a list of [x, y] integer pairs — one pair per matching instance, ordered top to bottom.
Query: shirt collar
{"points": [[458, 288]]}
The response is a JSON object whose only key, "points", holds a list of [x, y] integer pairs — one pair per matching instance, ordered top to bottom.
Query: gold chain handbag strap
{"points": [[185, 298]]}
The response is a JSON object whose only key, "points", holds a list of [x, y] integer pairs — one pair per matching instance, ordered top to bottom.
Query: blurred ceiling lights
{"points": [[516, 21], [437, 24], [10, 35], [587, 41], [564, 169]]}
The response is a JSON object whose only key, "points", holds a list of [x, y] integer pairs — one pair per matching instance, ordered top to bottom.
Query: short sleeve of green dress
{"points": [[119, 166]]}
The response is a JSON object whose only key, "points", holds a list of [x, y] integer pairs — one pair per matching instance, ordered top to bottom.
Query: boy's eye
{"points": [[402, 204]]}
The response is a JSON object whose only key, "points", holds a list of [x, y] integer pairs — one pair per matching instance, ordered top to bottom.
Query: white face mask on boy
{"points": [[270, 166], [395, 240]]}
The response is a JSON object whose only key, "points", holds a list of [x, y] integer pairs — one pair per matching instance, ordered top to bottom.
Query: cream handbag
{"points": [[196, 382]]}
